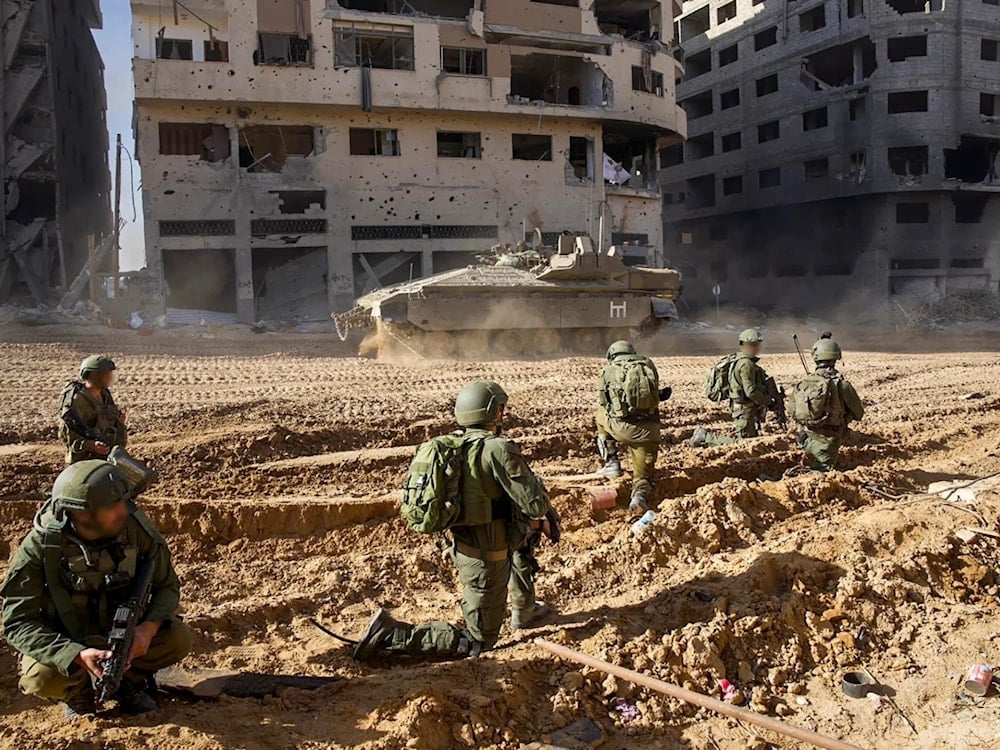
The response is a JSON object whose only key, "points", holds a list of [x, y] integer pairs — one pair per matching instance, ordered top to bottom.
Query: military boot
{"points": [[699, 439], [608, 450], [639, 503], [523, 618], [377, 636], [136, 697], [80, 706]]}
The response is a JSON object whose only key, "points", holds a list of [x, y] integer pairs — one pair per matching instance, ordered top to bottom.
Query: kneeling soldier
{"points": [[67, 579]]}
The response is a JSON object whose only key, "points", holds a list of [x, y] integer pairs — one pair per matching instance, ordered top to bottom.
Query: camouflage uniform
{"points": [[748, 399], [101, 415], [823, 443], [491, 558], [57, 601]]}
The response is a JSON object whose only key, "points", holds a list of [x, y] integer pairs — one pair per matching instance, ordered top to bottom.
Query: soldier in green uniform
{"points": [[749, 400], [90, 424], [636, 426], [822, 435], [490, 557], [65, 581]]}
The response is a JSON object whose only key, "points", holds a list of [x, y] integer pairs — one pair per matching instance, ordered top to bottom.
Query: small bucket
{"points": [[603, 498], [979, 680]]}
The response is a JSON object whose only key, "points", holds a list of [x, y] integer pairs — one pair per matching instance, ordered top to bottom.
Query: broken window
{"points": [[991, 2], [568, 3], [916, 6], [436, 8], [855, 8], [726, 12], [636, 19], [812, 20], [695, 24], [766, 38], [900, 48], [174, 49], [282, 49], [391, 49], [216, 50], [988, 50], [729, 55], [462, 61], [697, 64], [843, 65], [557, 79], [647, 80], [767, 85], [729, 99], [907, 101], [988, 104], [699, 105], [857, 108], [814, 119], [768, 131], [210, 142], [373, 142], [732, 142], [459, 145], [701, 146], [531, 147], [265, 148], [636, 152], [672, 156], [581, 159], [858, 159], [975, 160], [908, 161], [816, 168], [769, 178], [732, 185], [700, 191], [300, 201], [969, 208], [913, 213], [967, 262], [913, 264], [203, 279], [290, 282]]}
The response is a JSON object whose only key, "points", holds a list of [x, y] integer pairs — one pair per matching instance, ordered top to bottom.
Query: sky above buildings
{"points": [[115, 44]]}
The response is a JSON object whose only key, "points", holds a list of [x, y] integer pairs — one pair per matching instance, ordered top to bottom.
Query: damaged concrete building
{"points": [[839, 151], [297, 154], [56, 182]]}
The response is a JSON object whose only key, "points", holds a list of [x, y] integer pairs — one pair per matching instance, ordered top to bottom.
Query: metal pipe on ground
{"points": [[688, 696]]}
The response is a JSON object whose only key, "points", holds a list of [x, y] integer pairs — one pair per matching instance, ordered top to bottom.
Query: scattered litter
{"points": [[972, 396], [644, 523], [979, 679], [856, 684], [728, 690], [876, 701], [626, 709], [579, 734]]}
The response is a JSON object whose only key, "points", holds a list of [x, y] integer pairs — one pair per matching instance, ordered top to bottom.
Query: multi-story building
{"points": [[54, 150], [839, 151], [297, 153]]}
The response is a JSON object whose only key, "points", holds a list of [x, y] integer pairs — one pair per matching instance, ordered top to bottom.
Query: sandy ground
{"points": [[281, 456]]}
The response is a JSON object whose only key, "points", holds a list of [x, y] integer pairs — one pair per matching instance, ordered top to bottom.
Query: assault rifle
{"points": [[777, 395], [77, 425], [139, 476], [127, 617]]}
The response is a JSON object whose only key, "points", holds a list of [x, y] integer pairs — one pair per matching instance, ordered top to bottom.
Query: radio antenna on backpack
{"points": [[802, 357]]}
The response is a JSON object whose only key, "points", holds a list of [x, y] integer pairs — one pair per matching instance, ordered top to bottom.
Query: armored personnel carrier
{"points": [[574, 300]]}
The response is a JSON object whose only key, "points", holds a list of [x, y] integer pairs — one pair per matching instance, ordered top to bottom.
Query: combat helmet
{"points": [[751, 336], [620, 347], [826, 350], [96, 363], [479, 403], [89, 485]]}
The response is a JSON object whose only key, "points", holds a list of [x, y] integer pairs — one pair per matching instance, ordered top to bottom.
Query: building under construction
{"points": [[838, 151], [298, 153], [56, 181]]}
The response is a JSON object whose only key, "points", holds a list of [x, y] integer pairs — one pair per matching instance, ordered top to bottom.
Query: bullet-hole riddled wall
{"points": [[317, 150], [838, 156]]}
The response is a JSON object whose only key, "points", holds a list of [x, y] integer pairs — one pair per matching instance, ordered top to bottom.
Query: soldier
{"points": [[749, 399], [825, 403], [628, 412], [90, 424], [489, 557], [67, 578]]}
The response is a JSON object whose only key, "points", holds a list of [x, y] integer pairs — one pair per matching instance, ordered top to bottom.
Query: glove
{"points": [[666, 393], [552, 526]]}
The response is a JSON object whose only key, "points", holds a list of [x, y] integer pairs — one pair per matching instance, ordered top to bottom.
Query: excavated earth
{"points": [[281, 458]]}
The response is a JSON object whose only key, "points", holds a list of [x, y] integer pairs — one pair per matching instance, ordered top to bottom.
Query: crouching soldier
{"points": [[824, 403], [90, 423], [496, 524], [67, 579]]}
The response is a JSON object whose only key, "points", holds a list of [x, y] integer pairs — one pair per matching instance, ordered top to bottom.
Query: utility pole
{"points": [[115, 268]]}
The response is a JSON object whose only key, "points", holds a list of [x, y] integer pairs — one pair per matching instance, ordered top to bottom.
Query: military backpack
{"points": [[717, 379], [633, 387], [816, 401], [440, 490]]}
